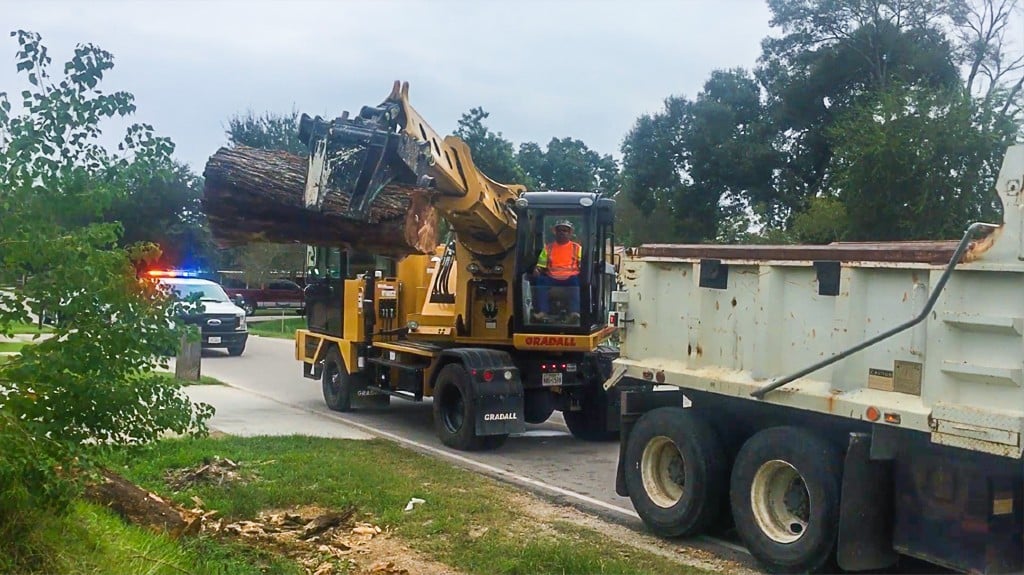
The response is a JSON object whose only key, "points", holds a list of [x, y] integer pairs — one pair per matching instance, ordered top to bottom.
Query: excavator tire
{"points": [[337, 382], [455, 412], [591, 423]]}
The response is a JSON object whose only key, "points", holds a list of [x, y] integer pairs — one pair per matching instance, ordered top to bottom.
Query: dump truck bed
{"points": [[733, 319]]}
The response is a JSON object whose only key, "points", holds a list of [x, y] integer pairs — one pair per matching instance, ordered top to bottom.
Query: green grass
{"points": [[276, 312], [277, 327], [30, 328], [7, 346], [203, 379], [379, 478], [91, 540]]}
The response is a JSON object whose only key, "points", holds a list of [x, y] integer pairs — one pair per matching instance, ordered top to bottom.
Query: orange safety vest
{"points": [[561, 260]]}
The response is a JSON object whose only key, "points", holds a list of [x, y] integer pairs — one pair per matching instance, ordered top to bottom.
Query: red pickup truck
{"points": [[272, 294]]}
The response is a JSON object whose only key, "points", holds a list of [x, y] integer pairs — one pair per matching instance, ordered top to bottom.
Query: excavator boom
{"points": [[390, 144]]}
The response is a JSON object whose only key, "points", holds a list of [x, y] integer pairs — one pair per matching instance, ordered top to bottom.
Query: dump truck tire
{"points": [[676, 472], [784, 491]]}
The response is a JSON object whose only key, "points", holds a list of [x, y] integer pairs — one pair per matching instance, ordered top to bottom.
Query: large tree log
{"points": [[252, 195], [140, 507]]}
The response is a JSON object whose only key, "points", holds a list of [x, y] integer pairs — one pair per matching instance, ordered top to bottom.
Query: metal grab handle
{"points": [[939, 285]]}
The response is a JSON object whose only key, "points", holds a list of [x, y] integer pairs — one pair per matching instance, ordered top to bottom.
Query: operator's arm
{"points": [[542, 263]]}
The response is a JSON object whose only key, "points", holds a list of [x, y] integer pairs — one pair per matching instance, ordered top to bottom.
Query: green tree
{"points": [[834, 55], [269, 131], [798, 151], [492, 153], [708, 160], [568, 164], [915, 165], [163, 207], [92, 385]]}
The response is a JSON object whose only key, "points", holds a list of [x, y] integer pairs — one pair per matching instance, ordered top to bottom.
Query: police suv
{"points": [[222, 323]]}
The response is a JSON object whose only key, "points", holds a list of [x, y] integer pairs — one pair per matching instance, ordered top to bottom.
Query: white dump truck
{"points": [[838, 405]]}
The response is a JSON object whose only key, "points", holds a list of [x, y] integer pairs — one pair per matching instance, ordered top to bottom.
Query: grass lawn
{"points": [[276, 312], [30, 328], [282, 328], [8, 346], [203, 379], [469, 522], [91, 539]]}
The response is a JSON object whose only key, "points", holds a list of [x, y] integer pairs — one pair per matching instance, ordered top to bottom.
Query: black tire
{"points": [[250, 307], [236, 350], [337, 382], [538, 405], [455, 412], [591, 422], [669, 445], [795, 529]]}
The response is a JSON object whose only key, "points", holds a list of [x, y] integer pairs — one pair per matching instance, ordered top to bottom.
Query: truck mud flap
{"points": [[369, 398], [499, 407], [866, 513]]}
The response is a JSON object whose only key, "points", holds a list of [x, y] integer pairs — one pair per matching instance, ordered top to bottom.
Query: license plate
{"points": [[214, 339], [551, 379]]}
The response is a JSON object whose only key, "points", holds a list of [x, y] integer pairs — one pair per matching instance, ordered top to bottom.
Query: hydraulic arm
{"points": [[391, 144]]}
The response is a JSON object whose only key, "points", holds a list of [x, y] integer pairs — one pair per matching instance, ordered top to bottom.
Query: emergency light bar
{"points": [[172, 273]]}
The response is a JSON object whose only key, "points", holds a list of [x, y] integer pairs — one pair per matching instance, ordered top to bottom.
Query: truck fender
{"points": [[499, 402], [865, 539]]}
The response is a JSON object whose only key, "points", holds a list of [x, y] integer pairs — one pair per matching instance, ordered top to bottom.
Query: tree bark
{"points": [[252, 195], [140, 507]]}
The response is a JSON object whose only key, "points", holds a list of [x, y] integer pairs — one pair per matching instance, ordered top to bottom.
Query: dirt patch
{"points": [[213, 471], [324, 542]]}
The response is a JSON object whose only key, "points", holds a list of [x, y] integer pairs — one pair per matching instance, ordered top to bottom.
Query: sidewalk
{"points": [[246, 414]]}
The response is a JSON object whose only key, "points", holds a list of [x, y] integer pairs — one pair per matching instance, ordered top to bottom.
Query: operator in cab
{"points": [[559, 266]]}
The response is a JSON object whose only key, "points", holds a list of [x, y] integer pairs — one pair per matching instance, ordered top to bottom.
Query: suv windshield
{"points": [[206, 292]]}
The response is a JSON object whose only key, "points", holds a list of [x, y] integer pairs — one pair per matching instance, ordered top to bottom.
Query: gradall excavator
{"points": [[462, 325]]}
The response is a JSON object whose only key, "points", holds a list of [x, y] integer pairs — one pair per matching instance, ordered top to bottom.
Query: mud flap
{"points": [[369, 398], [636, 399], [499, 405], [866, 510]]}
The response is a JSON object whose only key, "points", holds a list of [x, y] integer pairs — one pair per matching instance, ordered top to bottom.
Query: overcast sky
{"points": [[542, 69]]}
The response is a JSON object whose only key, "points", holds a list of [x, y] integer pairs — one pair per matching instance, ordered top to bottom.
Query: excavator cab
{"points": [[564, 278]]}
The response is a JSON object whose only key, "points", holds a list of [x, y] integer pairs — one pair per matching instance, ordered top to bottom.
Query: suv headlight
{"points": [[241, 322]]}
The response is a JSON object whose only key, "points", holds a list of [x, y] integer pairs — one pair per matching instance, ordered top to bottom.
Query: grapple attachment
{"points": [[360, 156]]}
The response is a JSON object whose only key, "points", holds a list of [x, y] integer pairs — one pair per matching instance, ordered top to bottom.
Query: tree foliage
{"points": [[882, 119], [269, 131], [492, 153], [568, 164], [163, 207], [92, 384]]}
